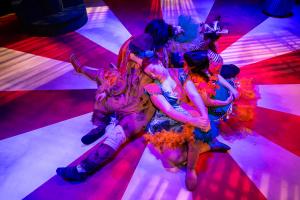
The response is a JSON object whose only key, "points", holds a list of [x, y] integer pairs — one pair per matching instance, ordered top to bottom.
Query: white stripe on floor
{"points": [[198, 10], [104, 28], [271, 38], [25, 71], [281, 97], [30, 159], [274, 170]]}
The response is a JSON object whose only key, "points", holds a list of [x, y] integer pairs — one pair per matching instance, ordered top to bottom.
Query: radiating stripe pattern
{"points": [[104, 28], [271, 38], [26, 71], [30, 159], [257, 164]]}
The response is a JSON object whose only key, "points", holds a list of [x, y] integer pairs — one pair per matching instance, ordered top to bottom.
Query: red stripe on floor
{"points": [[59, 47], [284, 69], [36, 109], [279, 127], [220, 177], [108, 183]]}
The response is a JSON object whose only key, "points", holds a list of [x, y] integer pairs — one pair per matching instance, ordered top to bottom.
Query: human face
{"points": [[156, 71]]}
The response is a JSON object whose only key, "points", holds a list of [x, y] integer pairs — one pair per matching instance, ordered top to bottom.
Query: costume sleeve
{"points": [[123, 56], [215, 62], [182, 76], [107, 79], [152, 89]]}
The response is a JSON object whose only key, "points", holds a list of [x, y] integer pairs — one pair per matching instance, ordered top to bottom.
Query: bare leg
{"points": [[194, 150], [172, 159]]}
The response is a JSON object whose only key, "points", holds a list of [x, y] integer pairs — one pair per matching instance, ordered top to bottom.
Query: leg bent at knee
{"points": [[116, 137]]}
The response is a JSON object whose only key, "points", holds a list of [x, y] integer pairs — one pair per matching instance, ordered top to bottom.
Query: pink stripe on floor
{"points": [[60, 48], [284, 69], [35, 109], [279, 127], [220, 177]]}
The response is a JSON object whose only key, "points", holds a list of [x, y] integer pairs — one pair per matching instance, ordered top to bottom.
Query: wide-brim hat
{"points": [[190, 29]]}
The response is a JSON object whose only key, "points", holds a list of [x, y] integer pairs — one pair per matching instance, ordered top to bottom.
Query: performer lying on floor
{"points": [[121, 93], [179, 104]]}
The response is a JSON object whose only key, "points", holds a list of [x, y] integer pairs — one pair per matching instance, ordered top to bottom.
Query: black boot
{"points": [[93, 135], [215, 145], [71, 174]]}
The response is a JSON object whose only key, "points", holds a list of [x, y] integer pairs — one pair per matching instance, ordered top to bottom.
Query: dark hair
{"points": [[190, 27], [160, 31], [212, 37], [142, 46], [151, 60], [197, 61], [229, 71]]}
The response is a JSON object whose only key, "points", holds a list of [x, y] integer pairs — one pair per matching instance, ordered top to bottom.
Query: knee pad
{"points": [[116, 137]]}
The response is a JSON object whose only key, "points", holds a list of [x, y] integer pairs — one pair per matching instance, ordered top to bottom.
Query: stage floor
{"points": [[45, 107]]}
